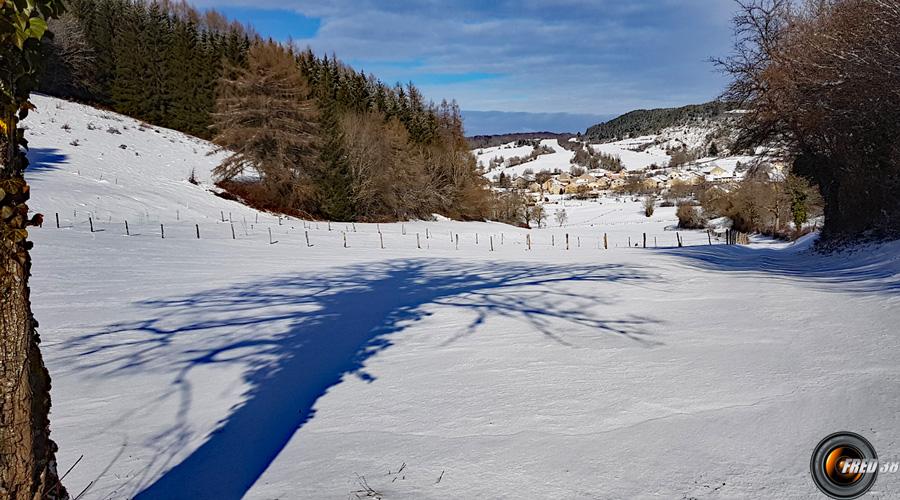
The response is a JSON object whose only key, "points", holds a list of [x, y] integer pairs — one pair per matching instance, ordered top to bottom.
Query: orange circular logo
{"points": [[844, 465]]}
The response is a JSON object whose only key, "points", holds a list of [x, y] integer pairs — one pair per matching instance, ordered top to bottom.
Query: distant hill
{"points": [[654, 121], [502, 122]]}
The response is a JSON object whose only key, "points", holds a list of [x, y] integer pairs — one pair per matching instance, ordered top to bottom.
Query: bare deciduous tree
{"points": [[69, 60], [821, 78]]}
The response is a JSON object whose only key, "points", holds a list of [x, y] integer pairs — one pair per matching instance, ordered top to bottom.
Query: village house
{"points": [[716, 173], [685, 177], [585, 179], [600, 184], [553, 186]]}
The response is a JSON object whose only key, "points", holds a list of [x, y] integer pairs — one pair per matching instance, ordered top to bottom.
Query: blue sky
{"points": [[585, 57]]}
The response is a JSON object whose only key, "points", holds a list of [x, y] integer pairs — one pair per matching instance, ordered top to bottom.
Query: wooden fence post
{"points": [[222, 214], [57, 220], [91, 222], [198, 230], [162, 231], [127, 232], [232, 232], [381, 237], [678, 237], [307, 239], [345, 240], [528, 240], [645, 240], [457, 241], [567, 241], [605, 242], [418, 243], [492, 243]]}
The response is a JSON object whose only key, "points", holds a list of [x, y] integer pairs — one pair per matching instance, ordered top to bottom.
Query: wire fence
{"points": [[421, 235]]}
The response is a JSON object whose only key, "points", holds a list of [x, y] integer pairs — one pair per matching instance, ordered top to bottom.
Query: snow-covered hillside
{"points": [[636, 154], [558, 160], [88, 162], [432, 359]]}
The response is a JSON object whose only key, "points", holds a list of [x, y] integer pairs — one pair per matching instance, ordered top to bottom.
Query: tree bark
{"points": [[27, 454]]}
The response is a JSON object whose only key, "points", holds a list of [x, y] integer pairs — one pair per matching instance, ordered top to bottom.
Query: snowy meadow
{"points": [[247, 355]]}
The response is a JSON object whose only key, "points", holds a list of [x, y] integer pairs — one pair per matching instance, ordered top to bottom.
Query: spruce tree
{"points": [[333, 177]]}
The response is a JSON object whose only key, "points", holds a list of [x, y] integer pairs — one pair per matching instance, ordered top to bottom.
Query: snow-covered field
{"points": [[634, 153], [559, 160], [225, 366]]}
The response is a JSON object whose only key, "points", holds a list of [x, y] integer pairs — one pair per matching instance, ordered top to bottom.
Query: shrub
{"points": [[193, 177], [649, 206], [689, 217]]}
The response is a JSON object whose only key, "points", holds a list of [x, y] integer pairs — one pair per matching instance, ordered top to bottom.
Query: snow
{"points": [[635, 153], [559, 160], [221, 368]]}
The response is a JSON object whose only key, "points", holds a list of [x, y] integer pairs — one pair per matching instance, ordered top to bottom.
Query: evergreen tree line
{"points": [[159, 62], [653, 121], [321, 139], [329, 141]]}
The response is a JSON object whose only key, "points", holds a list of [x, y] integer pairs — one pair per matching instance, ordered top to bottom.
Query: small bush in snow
{"points": [[91, 126], [66, 127], [113, 130], [74, 143], [122, 146], [193, 177], [649, 206], [561, 217], [689, 217]]}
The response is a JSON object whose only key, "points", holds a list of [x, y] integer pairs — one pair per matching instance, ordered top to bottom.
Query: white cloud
{"points": [[578, 56]]}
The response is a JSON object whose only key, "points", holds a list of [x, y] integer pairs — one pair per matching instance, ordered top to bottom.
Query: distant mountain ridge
{"points": [[653, 121], [510, 122], [490, 141]]}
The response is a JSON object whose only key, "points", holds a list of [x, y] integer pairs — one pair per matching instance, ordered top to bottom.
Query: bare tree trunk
{"points": [[27, 454]]}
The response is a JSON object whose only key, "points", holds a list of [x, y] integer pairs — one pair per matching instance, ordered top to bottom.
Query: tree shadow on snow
{"points": [[45, 160], [872, 270], [295, 337]]}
